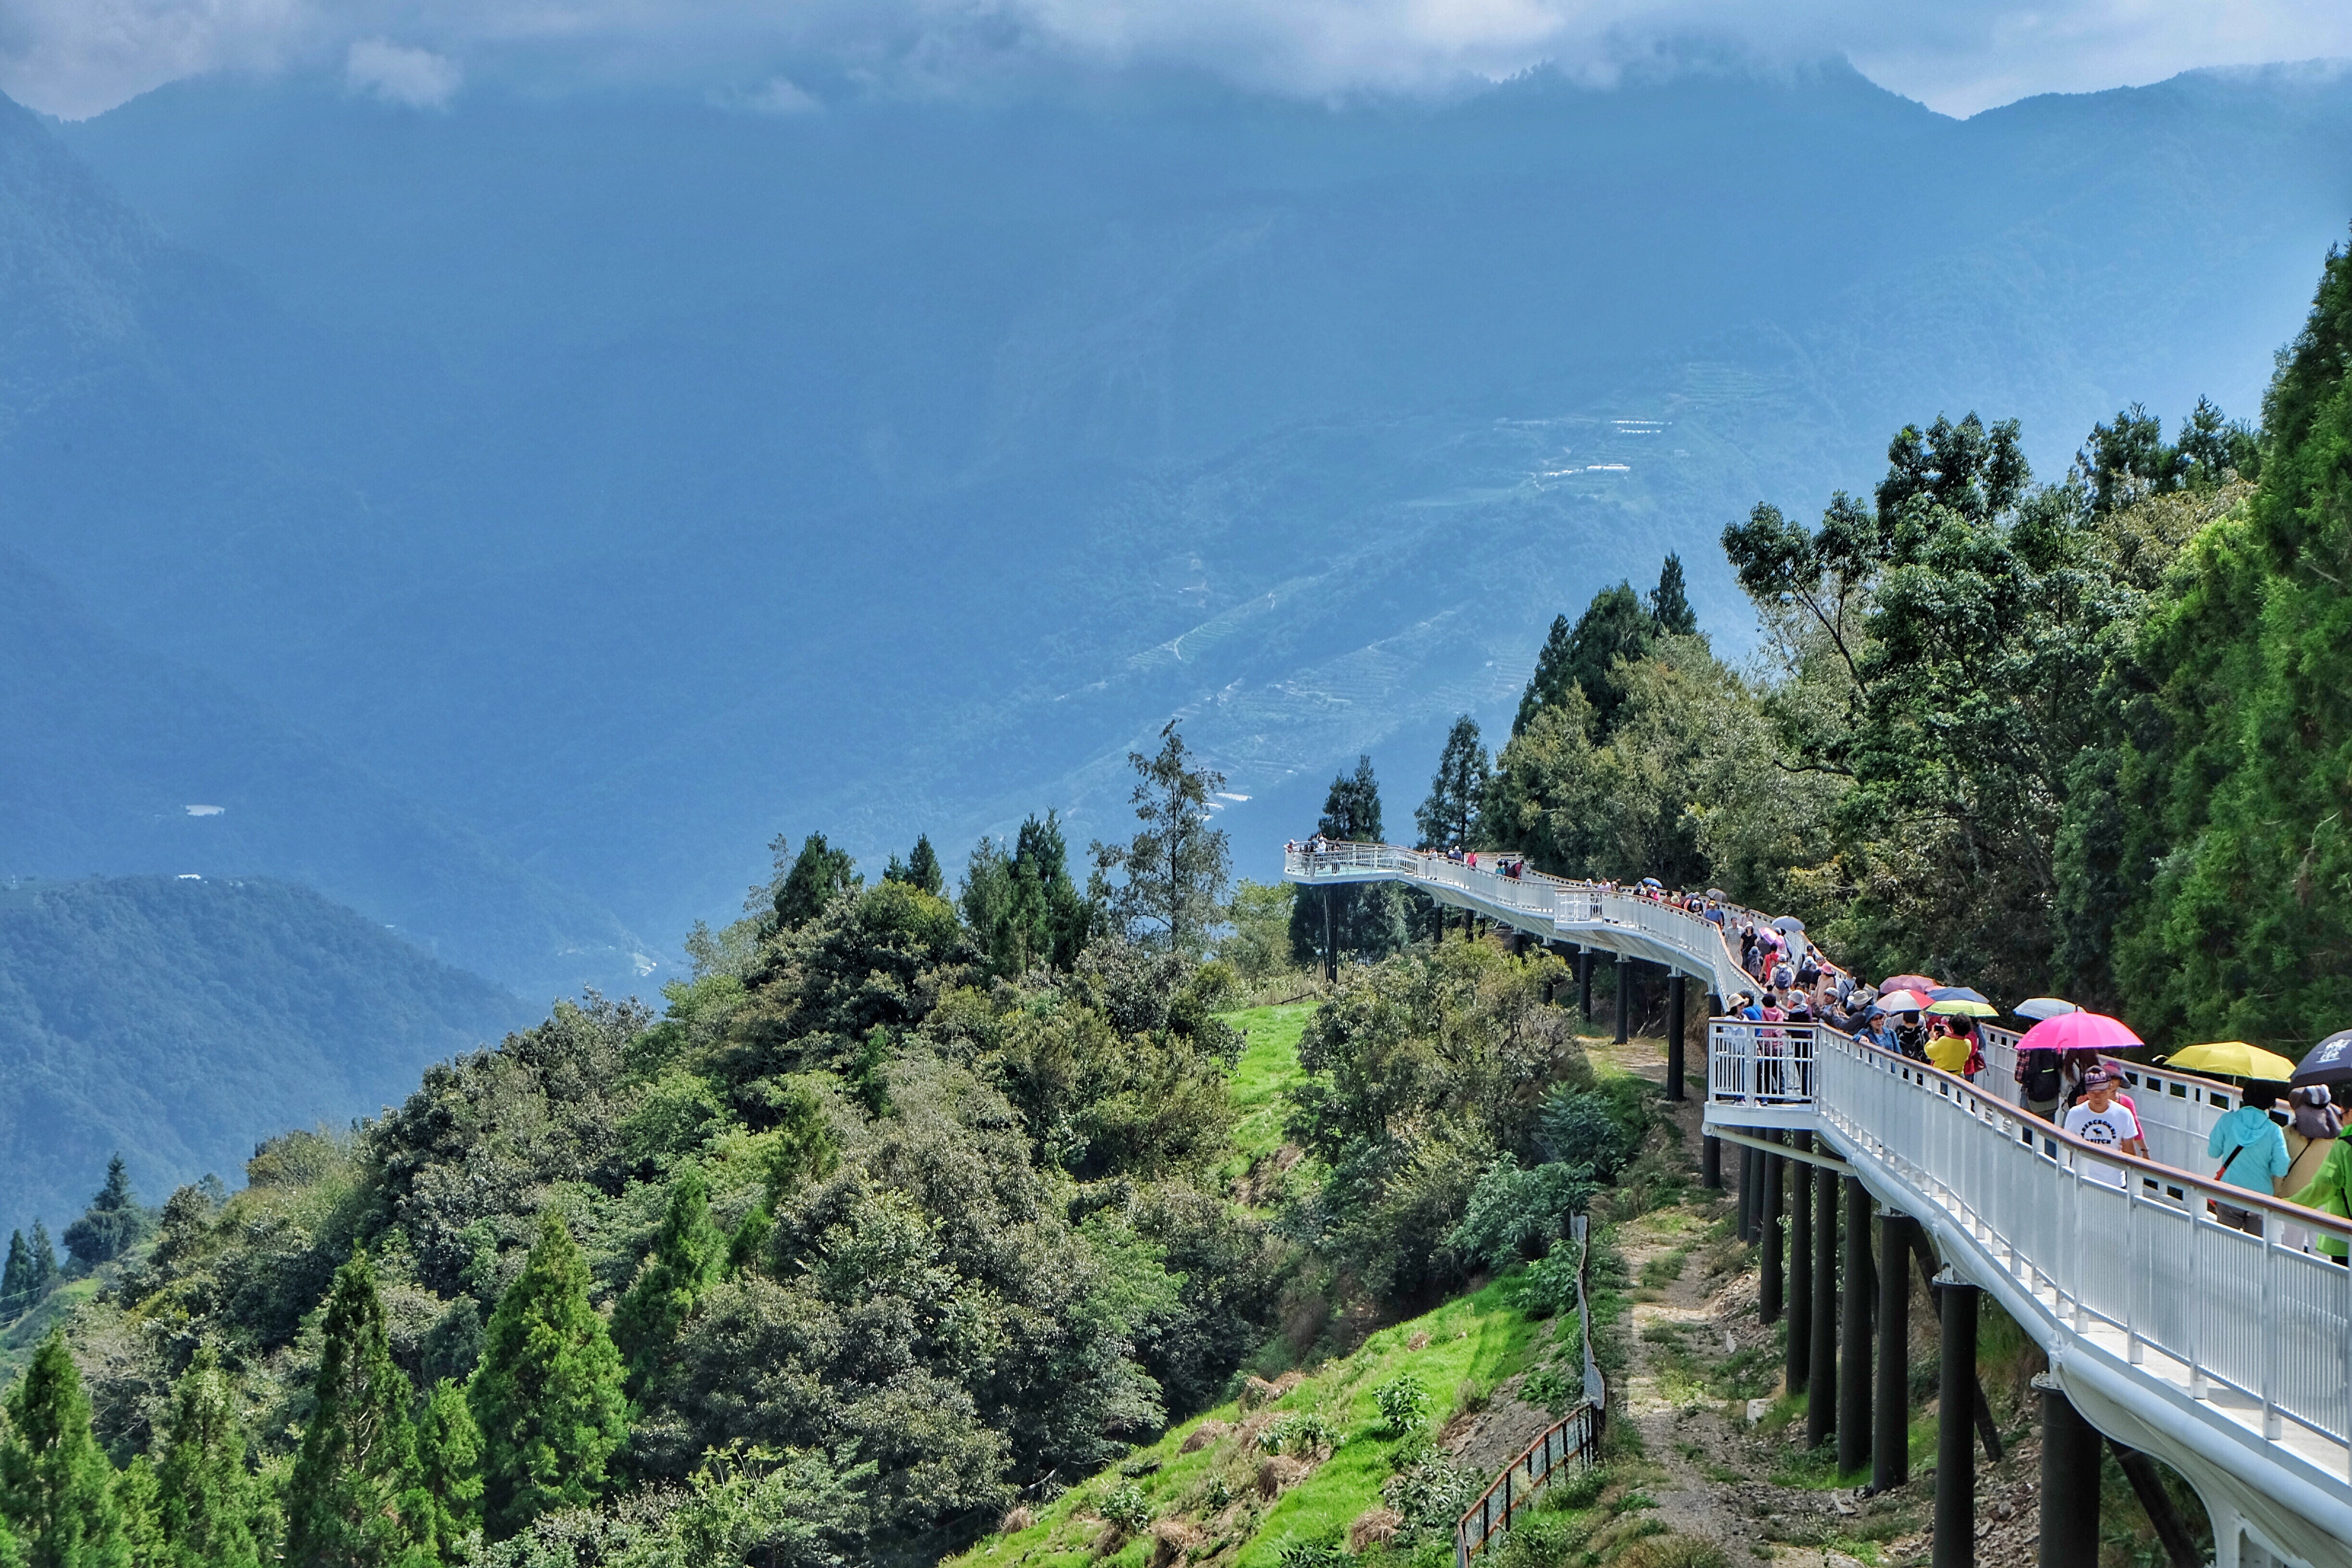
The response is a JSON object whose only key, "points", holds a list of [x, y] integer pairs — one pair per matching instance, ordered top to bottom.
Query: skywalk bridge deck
{"points": [[2228, 1356]]}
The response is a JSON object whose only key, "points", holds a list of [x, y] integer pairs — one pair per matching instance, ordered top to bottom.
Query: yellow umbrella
{"points": [[2232, 1058]]}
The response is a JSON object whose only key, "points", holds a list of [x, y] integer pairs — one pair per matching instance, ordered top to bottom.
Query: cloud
{"points": [[79, 56], [417, 78]]}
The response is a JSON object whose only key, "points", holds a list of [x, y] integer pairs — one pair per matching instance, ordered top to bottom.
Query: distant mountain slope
{"points": [[631, 479], [112, 760], [182, 1021]]}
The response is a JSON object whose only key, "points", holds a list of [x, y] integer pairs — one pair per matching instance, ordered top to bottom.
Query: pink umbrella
{"points": [[2079, 1032]]}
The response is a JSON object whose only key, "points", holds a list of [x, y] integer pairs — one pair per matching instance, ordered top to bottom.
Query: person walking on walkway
{"points": [[2040, 1082], [2102, 1119], [2311, 1134], [2252, 1152], [2330, 1191]]}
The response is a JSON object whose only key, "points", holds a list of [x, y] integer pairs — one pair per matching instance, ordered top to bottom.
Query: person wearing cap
{"points": [[2101, 1119], [2252, 1152]]}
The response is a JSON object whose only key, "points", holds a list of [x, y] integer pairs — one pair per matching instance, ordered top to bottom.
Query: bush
{"points": [[1516, 1214], [1403, 1402], [1300, 1433], [1432, 1493], [1124, 1507], [1314, 1552]]}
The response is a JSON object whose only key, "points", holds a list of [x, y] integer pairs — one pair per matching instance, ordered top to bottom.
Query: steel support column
{"points": [[1584, 982], [1624, 996], [1675, 1022], [1751, 1178], [1769, 1291], [1797, 1366], [1821, 1372], [1853, 1429], [1890, 1443], [1956, 1449], [2070, 1480]]}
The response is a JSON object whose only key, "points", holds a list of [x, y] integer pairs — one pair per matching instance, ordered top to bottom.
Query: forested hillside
{"points": [[182, 1021]]}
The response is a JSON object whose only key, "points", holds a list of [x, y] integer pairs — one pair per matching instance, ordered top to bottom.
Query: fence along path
{"points": [[2228, 1356]]}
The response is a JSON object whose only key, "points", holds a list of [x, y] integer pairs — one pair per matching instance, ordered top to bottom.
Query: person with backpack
{"points": [[2040, 1082], [2252, 1152]]}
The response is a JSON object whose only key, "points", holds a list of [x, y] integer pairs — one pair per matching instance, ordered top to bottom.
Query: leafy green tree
{"points": [[1670, 606], [1448, 819], [919, 869], [1173, 874], [819, 875], [1365, 920], [1257, 940], [113, 1223], [688, 1256], [548, 1395], [449, 1464], [56, 1487], [205, 1493], [355, 1499]]}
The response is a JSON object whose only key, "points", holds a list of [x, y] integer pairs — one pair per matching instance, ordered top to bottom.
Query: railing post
{"points": [[1676, 1021], [1797, 1365], [1820, 1373], [1853, 1430], [1890, 1446]]}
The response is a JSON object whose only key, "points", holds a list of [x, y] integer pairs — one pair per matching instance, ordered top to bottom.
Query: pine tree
{"points": [[1670, 604], [1448, 819], [923, 867], [1172, 873], [818, 876], [114, 1222], [688, 1255], [44, 1263], [16, 1280], [548, 1395], [449, 1459], [55, 1486], [355, 1499], [207, 1502], [139, 1503]]}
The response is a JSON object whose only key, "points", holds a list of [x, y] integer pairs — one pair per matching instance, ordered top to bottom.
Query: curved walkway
{"points": [[2228, 1356]]}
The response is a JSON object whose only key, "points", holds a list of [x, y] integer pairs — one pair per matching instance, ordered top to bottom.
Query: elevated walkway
{"points": [[2226, 1355]]}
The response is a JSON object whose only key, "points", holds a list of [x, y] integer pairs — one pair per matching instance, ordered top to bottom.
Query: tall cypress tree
{"points": [[1670, 604], [1448, 819], [114, 1221], [688, 1255], [45, 1262], [17, 1279], [548, 1395], [449, 1461], [55, 1486], [354, 1501], [207, 1502]]}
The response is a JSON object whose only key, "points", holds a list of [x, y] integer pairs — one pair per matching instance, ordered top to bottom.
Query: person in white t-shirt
{"points": [[2103, 1119]]}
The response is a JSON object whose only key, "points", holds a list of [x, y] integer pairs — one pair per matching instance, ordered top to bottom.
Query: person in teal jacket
{"points": [[2252, 1152]]}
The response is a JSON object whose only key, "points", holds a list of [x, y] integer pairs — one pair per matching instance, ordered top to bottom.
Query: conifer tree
{"points": [[1670, 604], [1448, 819], [923, 867], [1174, 871], [819, 875], [1365, 920], [113, 1223], [688, 1255], [44, 1263], [15, 1279], [548, 1395], [449, 1460], [55, 1486], [355, 1500], [138, 1502], [207, 1502]]}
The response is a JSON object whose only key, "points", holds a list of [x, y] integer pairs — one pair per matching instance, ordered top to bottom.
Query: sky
{"points": [[79, 58]]}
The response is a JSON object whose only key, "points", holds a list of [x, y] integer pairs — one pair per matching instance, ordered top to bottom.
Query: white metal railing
{"points": [[1763, 1065], [2175, 1110]]}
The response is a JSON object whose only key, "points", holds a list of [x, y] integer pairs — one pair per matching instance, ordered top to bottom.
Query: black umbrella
{"points": [[2329, 1062]]}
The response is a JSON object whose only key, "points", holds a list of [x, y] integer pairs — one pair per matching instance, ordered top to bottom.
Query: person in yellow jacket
{"points": [[2330, 1192]]}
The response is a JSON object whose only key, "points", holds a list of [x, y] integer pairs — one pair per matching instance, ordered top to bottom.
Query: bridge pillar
{"points": [[1330, 953], [1584, 982], [1624, 996], [1675, 1022], [1710, 1163], [1769, 1291], [1797, 1365], [1820, 1370], [1853, 1429], [1890, 1443], [1956, 1449], [2070, 1480]]}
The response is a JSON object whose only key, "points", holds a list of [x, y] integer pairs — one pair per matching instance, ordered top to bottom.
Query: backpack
{"points": [[2038, 1075]]}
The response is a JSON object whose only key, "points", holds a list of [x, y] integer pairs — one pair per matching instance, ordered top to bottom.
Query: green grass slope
{"points": [[1212, 1483]]}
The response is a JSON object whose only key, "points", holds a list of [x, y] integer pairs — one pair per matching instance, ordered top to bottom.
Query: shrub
{"points": [[1403, 1402], [1431, 1494], [1124, 1506], [1314, 1552]]}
